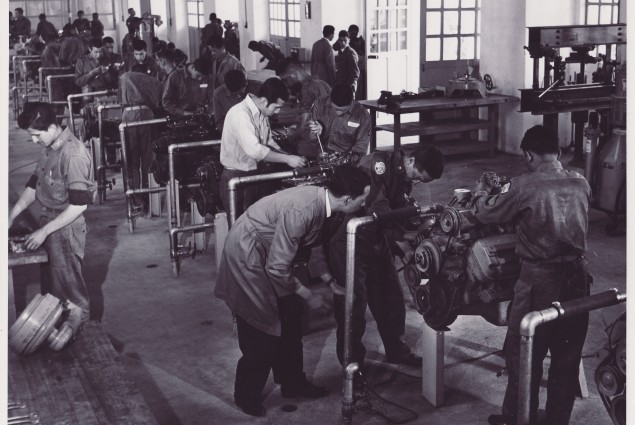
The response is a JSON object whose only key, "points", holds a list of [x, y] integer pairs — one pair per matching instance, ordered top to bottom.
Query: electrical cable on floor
{"points": [[473, 359], [372, 390]]}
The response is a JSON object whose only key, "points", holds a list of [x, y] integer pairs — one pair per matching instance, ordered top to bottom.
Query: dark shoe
{"points": [[410, 359], [306, 390], [252, 409], [500, 420]]}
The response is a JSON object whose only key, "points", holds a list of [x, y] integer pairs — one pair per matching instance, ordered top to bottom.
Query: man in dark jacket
{"points": [[81, 24], [96, 27], [45, 29], [323, 58]]}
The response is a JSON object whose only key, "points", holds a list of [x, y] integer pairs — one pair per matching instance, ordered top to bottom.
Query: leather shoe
{"points": [[410, 359], [306, 390], [257, 410], [500, 420]]}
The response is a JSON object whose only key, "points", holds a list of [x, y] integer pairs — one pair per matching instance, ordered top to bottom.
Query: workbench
{"points": [[465, 121], [38, 256], [84, 384]]}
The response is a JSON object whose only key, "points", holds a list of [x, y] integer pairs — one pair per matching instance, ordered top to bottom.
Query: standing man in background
{"points": [[21, 24], [81, 24], [96, 27], [45, 29], [211, 29], [358, 44], [323, 58], [222, 62], [347, 71], [228, 95]]}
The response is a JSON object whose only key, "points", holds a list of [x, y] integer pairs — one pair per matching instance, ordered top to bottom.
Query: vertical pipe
{"points": [[39, 80], [49, 85], [71, 119], [124, 174], [101, 184], [173, 188], [232, 199], [347, 399]]}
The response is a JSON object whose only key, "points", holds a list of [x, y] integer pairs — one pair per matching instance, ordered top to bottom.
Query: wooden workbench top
{"points": [[437, 103]]}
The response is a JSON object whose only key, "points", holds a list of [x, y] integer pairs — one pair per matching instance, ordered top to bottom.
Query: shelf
{"points": [[439, 126], [447, 147]]}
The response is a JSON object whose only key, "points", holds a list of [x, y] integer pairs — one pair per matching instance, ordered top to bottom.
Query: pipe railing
{"points": [[14, 60], [25, 63], [40, 73], [49, 88], [70, 98], [124, 167], [100, 169], [236, 181], [351, 234], [534, 319], [347, 394]]}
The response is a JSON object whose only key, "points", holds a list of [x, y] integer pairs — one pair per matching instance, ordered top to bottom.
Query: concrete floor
{"points": [[177, 342]]}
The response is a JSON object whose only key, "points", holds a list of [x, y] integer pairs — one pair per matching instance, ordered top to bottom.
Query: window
{"points": [[57, 11], [600, 12], [603, 12], [195, 14], [284, 18], [388, 26], [452, 30]]}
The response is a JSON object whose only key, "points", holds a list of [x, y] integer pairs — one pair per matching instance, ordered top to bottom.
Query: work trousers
{"points": [[139, 155], [246, 195], [63, 274], [376, 285], [538, 286], [263, 352]]}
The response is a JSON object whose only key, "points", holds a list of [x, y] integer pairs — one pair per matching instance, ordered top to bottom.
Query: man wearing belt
{"points": [[140, 95], [339, 123], [247, 141], [63, 184], [549, 207], [255, 279], [376, 282]]}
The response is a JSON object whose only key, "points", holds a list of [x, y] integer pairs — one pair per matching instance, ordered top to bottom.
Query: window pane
{"points": [[607, 1], [402, 2], [382, 3], [393, 3], [468, 3], [434, 4], [451, 4], [88, 6], [103, 6], [34, 8], [52, 8], [191, 8], [296, 9], [271, 13], [605, 14], [593, 15], [616, 15], [403, 18], [383, 20], [192, 21], [201, 21], [374, 21], [392, 21], [450, 22], [468, 22], [478, 22], [433, 23], [272, 27], [297, 29], [403, 40], [393, 41], [383, 42], [373, 43], [467, 47], [478, 47], [450, 48], [433, 49]]}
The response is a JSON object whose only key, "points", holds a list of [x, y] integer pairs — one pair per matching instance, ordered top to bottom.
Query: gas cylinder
{"points": [[591, 136], [611, 170]]}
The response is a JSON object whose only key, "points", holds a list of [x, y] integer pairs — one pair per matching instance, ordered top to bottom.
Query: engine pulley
{"points": [[428, 257], [36, 324], [609, 380], [618, 410]]}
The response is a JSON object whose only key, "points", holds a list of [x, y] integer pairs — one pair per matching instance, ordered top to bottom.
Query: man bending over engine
{"points": [[549, 207], [376, 281]]}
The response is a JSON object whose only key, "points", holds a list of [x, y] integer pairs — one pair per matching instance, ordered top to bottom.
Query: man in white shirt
{"points": [[247, 140]]}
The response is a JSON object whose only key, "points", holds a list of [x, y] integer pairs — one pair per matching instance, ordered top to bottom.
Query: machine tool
{"points": [[460, 266]]}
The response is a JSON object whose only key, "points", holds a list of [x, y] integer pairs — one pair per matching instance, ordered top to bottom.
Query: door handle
{"points": [[373, 57]]}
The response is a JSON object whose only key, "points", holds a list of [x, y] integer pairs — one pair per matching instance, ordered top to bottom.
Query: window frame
{"points": [[199, 14], [285, 23], [444, 37]]}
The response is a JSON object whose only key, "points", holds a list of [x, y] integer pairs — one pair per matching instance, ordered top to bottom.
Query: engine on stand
{"points": [[461, 266]]}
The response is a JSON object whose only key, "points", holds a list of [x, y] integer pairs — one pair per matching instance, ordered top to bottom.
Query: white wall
{"points": [[256, 20]]}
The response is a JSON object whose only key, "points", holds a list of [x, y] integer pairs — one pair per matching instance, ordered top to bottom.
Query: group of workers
{"points": [[548, 207]]}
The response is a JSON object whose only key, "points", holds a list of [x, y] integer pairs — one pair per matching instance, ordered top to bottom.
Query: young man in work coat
{"points": [[64, 186], [549, 207], [255, 279]]}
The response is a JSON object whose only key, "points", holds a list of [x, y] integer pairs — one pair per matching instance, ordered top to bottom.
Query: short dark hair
{"points": [[19, 9], [130, 9], [80, 12], [95, 15], [42, 16], [212, 16], [353, 27], [328, 30], [343, 33], [108, 40], [216, 41], [95, 42], [139, 45], [171, 45], [253, 45], [166, 54], [179, 57], [284, 65], [203, 66], [235, 80], [273, 89], [342, 95], [38, 116], [541, 140], [429, 159], [348, 180]]}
